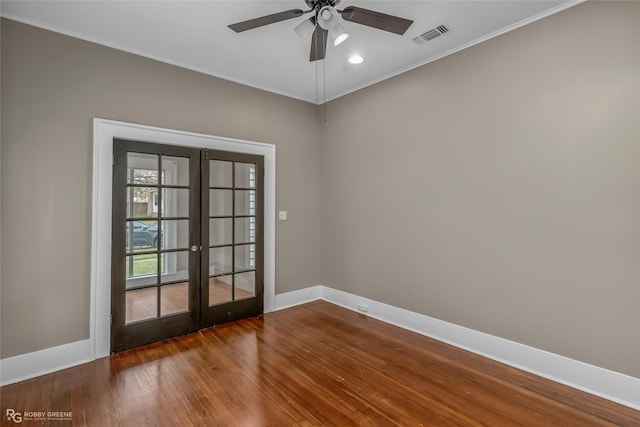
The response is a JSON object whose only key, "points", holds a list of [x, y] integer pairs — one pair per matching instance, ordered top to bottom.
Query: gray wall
{"points": [[52, 87], [499, 188]]}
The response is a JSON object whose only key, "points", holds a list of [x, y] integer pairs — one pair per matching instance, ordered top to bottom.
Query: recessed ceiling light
{"points": [[356, 59]]}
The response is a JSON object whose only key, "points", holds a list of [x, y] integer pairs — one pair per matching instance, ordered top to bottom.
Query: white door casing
{"points": [[103, 133]]}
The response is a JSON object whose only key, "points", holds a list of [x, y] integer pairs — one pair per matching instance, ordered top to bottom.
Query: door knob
{"points": [[194, 248]]}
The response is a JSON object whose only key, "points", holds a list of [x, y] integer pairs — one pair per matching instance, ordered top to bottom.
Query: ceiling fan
{"points": [[325, 18]]}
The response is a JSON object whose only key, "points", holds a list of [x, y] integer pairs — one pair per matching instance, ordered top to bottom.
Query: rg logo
{"points": [[14, 416]]}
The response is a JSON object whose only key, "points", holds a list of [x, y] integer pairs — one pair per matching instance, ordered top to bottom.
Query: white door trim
{"points": [[103, 133]]}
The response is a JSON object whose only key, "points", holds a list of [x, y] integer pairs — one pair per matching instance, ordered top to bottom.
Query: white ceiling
{"points": [[194, 35]]}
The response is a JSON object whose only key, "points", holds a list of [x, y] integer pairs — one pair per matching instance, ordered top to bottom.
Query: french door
{"points": [[187, 240]]}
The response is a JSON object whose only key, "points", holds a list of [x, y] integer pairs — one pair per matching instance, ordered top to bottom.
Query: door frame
{"points": [[103, 133]]}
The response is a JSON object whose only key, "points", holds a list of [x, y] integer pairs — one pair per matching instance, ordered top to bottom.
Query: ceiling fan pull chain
{"points": [[324, 90]]}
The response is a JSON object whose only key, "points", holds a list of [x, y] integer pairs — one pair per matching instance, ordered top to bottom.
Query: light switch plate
{"points": [[282, 215]]}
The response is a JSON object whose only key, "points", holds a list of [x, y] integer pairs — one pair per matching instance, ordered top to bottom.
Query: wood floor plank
{"points": [[311, 365]]}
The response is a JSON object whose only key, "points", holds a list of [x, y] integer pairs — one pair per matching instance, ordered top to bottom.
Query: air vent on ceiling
{"points": [[431, 34]]}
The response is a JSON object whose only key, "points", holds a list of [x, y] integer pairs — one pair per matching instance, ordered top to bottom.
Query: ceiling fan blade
{"points": [[381, 21], [238, 27], [318, 44]]}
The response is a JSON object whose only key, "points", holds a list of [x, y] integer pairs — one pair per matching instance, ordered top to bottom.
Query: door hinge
{"points": [[206, 154], [113, 160], [110, 318]]}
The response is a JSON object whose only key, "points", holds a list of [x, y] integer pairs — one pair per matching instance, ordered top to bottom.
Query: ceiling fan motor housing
{"points": [[319, 4], [328, 17]]}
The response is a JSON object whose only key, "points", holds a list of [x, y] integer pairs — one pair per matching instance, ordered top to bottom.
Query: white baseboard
{"points": [[293, 298], [30, 365], [592, 379], [601, 382]]}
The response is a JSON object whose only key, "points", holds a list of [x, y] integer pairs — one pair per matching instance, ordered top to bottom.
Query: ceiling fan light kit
{"points": [[326, 18], [305, 29], [338, 34]]}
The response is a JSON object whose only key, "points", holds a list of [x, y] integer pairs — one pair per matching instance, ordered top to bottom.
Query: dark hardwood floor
{"points": [[311, 365]]}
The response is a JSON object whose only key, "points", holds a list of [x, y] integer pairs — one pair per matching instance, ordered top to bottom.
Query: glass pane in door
{"points": [[142, 168], [175, 171], [220, 173], [245, 175], [142, 202], [175, 202], [220, 202], [245, 203], [245, 229], [220, 231], [175, 234], [141, 235], [245, 257], [220, 260], [175, 266], [140, 270], [245, 284], [220, 289], [174, 298], [141, 304]]}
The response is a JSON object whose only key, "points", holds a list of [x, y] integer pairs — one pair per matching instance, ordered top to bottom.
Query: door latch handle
{"points": [[194, 248]]}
